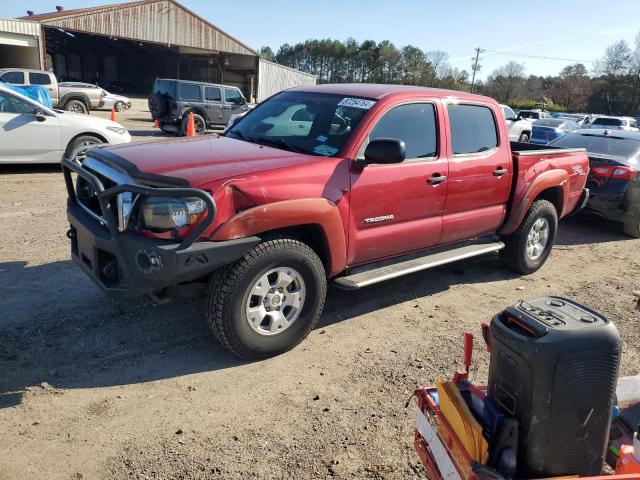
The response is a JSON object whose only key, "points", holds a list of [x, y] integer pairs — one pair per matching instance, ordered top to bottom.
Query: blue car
{"points": [[548, 129]]}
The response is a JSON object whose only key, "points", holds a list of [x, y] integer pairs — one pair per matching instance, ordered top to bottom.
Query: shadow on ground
{"points": [[30, 168], [583, 230], [58, 328]]}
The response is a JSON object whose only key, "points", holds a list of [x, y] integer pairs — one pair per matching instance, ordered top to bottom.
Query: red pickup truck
{"points": [[354, 183]]}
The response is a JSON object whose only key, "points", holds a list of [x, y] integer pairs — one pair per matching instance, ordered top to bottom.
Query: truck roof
{"points": [[378, 91]]}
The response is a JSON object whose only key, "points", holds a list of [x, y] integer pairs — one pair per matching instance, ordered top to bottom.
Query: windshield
{"points": [[165, 87], [525, 114], [548, 122], [615, 122], [312, 123], [600, 145]]}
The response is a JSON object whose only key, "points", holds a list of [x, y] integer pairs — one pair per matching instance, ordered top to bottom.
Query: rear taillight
{"points": [[618, 173]]}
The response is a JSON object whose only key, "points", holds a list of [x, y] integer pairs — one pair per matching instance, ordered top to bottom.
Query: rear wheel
{"points": [[76, 106], [198, 122], [524, 137], [77, 149], [632, 228], [528, 248], [267, 302]]}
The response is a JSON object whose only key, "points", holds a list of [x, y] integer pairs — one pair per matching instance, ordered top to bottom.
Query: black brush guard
{"points": [[129, 264]]}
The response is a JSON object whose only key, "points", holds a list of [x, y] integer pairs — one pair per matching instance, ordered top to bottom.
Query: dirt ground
{"points": [[92, 388]]}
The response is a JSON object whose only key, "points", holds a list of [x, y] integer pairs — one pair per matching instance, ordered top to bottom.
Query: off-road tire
{"points": [[156, 105], [76, 106], [198, 122], [524, 137], [76, 146], [632, 228], [514, 255], [229, 288]]}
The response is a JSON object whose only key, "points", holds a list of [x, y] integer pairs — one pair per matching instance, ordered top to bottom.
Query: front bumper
{"points": [[126, 264]]}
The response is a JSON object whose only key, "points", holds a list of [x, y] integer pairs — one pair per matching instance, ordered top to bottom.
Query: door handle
{"points": [[227, 107], [498, 172], [436, 179]]}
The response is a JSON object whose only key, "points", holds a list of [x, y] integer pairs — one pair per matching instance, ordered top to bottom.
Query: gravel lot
{"points": [[93, 388]]}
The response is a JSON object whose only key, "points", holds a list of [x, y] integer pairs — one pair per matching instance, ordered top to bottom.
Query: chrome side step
{"points": [[396, 267]]}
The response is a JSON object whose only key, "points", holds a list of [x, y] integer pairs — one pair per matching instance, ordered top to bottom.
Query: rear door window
{"points": [[16, 78], [39, 78], [189, 91], [212, 94], [473, 129]]}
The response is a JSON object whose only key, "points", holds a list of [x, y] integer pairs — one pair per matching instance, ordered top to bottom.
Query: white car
{"points": [[118, 102], [615, 123], [519, 128], [33, 133]]}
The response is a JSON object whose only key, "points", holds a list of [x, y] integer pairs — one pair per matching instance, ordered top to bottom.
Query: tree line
{"points": [[611, 86]]}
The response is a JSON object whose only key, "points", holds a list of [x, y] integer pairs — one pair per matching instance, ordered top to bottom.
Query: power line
{"points": [[524, 55]]}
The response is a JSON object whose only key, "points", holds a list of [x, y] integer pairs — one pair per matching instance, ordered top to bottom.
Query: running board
{"points": [[396, 267]]}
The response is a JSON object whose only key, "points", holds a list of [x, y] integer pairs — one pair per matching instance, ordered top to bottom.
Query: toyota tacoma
{"points": [[356, 184]]}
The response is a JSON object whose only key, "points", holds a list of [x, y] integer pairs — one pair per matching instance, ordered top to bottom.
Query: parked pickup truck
{"points": [[76, 97], [354, 183]]}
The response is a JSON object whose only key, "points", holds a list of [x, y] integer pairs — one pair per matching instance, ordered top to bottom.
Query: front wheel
{"points": [[119, 107], [524, 137], [77, 149], [528, 248], [267, 302]]}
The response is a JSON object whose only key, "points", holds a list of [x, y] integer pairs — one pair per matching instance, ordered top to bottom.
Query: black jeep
{"points": [[212, 105]]}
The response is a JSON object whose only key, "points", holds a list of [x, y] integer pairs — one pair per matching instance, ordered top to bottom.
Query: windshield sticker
{"points": [[357, 103], [321, 138], [325, 150]]}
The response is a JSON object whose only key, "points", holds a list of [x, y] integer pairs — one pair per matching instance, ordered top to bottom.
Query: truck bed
{"points": [[521, 148]]}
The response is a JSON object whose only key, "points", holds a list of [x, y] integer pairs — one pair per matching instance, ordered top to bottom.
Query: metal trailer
{"points": [[21, 44], [273, 78]]}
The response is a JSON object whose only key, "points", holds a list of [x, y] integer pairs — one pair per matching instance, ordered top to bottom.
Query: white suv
{"points": [[616, 123], [33, 133]]}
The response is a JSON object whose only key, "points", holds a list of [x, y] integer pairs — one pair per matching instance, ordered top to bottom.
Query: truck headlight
{"points": [[120, 130], [169, 213]]}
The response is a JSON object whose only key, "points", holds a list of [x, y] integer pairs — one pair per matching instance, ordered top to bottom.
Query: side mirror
{"points": [[39, 114], [383, 151]]}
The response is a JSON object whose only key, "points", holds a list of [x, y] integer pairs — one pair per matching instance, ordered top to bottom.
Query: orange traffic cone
{"points": [[114, 117], [156, 124], [191, 127]]}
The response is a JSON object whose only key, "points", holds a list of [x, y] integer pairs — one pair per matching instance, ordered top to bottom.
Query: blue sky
{"points": [[570, 29]]}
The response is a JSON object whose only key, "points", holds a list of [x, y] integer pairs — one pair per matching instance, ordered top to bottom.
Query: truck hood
{"points": [[205, 159]]}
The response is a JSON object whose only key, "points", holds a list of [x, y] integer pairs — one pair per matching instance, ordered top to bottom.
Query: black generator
{"points": [[554, 366]]}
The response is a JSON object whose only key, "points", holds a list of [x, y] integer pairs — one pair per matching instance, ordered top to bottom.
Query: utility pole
{"points": [[476, 66]]}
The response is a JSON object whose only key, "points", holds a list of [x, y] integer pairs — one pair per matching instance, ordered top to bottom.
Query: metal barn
{"points": [[128, 45]]}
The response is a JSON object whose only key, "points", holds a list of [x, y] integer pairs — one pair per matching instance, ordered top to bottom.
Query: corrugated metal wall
{"points": [[162, 22], [20, 26], [273, 78]]}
